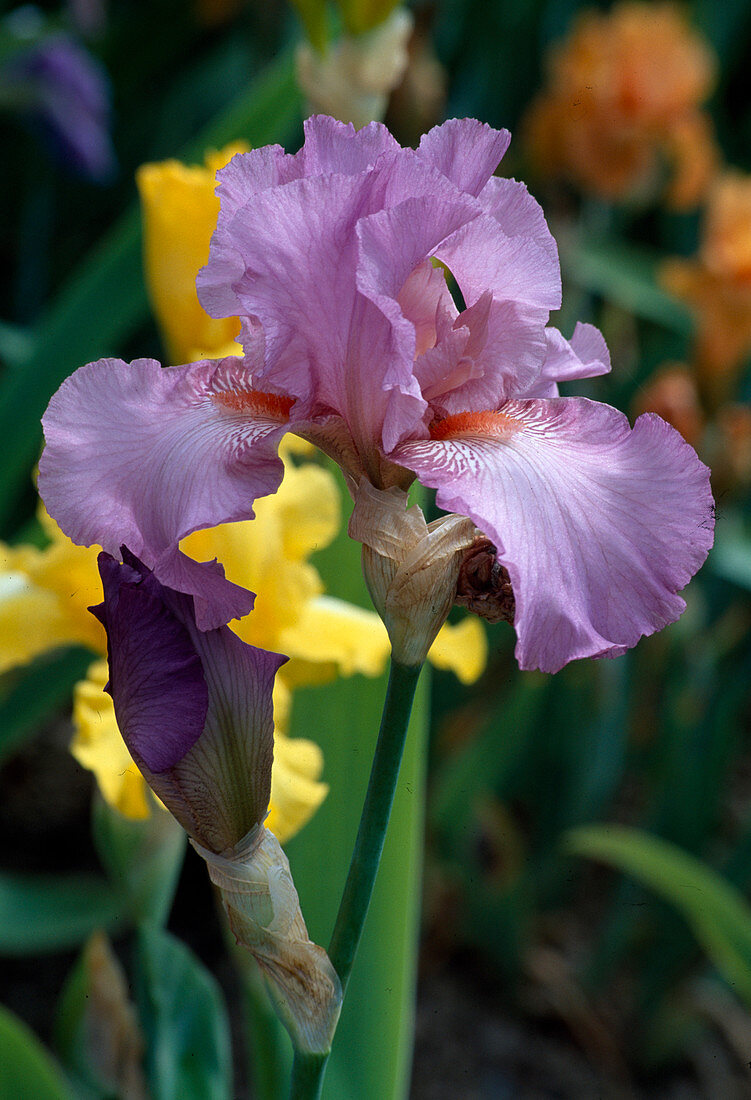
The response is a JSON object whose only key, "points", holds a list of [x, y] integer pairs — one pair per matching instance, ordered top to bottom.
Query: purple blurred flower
{"points": [[65, 91], [335, 261], [194, 708]]}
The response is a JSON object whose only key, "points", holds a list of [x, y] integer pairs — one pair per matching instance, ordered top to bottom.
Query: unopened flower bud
{"points": [[353, 80], [411, 567], [195, 710]]}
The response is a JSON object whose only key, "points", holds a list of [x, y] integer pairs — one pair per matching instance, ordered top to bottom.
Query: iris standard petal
{"points": [[334, 146], [331, 147], [464, 150], [179, 211], [518, 213], [481, 256], [297, 275], [585, 355], [142, 456], [599, 525]]}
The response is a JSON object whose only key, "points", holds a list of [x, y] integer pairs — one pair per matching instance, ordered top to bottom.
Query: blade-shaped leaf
{"points": [[624, 274], [33, 693], [52, 912], [717, 912], [184, 1020], [27, 1072]]}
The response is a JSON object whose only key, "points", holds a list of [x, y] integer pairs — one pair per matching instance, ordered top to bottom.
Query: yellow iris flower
{"points": [[179, 211]]}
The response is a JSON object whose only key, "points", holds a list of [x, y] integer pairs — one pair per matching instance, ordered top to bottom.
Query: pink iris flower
{"points": [[340, 261]]}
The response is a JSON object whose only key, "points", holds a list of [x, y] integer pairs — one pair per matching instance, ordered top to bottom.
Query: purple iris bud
{"points": [[65, 91], [156, 676], [194, 708]]}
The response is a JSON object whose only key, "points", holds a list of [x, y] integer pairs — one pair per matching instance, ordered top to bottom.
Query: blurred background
{"points": [[585, 924]]}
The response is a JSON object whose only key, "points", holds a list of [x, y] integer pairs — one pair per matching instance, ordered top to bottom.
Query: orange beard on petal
{"points": [[255, 403], [496, 424]]}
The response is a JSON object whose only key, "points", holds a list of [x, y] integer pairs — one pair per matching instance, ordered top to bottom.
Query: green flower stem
{"points": [[308, 1070], [307, 1076]]}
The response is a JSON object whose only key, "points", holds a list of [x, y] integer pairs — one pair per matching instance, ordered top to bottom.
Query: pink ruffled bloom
{"points": [[335, 259]]}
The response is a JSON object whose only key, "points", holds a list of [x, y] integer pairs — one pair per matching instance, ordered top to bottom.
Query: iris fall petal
{"points": [[598, 525]]}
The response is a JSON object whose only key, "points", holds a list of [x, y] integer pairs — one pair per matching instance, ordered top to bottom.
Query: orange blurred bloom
{"points": [[621, 109], [717, 285], [671, 393], [734, 444]]}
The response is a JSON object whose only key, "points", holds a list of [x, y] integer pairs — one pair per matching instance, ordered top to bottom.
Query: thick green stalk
{"points": [[308, 1071]]}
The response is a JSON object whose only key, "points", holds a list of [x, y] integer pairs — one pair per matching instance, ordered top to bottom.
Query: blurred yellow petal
{"points": [[179, 211], [192, 355], [292, 445], [310, 509], [267, 554], [70, 571], [44, 597], [31, 621], [330, 638], [462, 649], [282, 707], [98, 746], [296, 792]]}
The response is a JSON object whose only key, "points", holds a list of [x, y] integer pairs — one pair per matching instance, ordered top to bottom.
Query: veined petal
{"points": [[334, 146], [331, 147], [464, 150], [518, 213], [391, 243], [481, 256], [297, 277], [494, 349], [585, 355], [141, 456], [598, 525], [194, 707], [296, 789]]}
